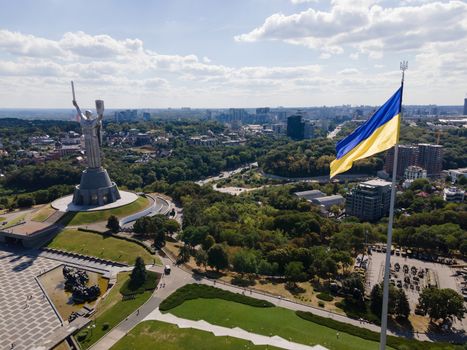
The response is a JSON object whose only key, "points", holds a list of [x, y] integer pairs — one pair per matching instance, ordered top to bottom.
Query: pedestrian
{"points": [[137, 312], [337, 335]]}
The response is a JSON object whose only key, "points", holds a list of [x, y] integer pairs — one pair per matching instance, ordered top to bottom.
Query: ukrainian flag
{"points": [[378, 134]]}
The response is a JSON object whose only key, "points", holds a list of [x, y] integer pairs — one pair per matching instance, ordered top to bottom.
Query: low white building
{"points": [[413, 172], [456, 173], [453, 194], [310, 195], [328, 201]]}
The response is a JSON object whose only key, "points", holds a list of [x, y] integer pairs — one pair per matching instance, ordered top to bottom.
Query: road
{"points": [[225, 174]]}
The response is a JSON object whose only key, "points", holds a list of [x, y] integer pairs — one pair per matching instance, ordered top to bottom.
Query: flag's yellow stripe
{"points": [[383, 138]]}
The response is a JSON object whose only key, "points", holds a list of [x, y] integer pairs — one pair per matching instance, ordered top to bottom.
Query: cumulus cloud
{"points": [[366, 27]]}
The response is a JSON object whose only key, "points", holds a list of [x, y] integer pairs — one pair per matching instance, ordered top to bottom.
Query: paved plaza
{"points": [[66, 203], [27, 317]]}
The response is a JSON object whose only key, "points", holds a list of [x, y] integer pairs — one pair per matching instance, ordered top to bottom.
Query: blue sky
{"points": [[239, 53]]}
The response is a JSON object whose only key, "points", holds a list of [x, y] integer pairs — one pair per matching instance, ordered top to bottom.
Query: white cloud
{"points": [[366, 27]]}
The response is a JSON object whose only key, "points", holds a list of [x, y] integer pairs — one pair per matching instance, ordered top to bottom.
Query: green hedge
{"points": [[149, 284], [195, 291], [325, 297], [392, 341]]}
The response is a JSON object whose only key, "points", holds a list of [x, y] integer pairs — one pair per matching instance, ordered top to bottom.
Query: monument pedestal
{"points": [[95, 188]]}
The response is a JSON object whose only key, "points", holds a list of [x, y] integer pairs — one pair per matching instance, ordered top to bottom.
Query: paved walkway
{"points": [[236, 332]]}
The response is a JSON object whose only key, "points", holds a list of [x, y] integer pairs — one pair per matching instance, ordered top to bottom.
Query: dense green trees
{"points": [[155, 227], [441, 303], [398, 304]]}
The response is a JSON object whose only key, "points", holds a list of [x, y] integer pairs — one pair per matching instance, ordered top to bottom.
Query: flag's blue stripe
{"points": [[385, 113]]}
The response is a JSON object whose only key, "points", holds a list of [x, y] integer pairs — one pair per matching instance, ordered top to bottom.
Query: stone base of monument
{"points": [[95, 188], [66, 203]]}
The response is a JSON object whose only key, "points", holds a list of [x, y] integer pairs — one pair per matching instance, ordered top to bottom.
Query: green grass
{"points": [[43, 213], [90, 217], [2, 218], [15, 221], [94, 244], [111, 312], [270, 321], [155, 335], [395, 342]]}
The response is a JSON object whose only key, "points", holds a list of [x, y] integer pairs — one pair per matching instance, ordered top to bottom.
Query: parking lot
{"points": [[417, 275]]}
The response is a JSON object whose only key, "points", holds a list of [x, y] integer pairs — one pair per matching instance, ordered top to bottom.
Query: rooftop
{"points": [[376, 183]]}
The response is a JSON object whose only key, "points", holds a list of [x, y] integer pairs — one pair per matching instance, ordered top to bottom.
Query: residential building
{"points": [[465, 106], [308, 130], [406, 156], [430, 157], [413, 172], [453, 194], [370, 200]]}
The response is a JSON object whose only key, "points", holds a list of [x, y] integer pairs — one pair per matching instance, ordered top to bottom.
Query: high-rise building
{"points": [[465, 106], [295, 127], [308, 130], [406, 156], [430, 157], [370, 200]]}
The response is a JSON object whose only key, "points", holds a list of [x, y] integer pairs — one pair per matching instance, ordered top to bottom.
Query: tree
{"points": [[25, 201], [113, 224], [208, 242], [184, 254], [201, 257], [217, 257], [245, 261], [295, 272], [138, 275], [353, 286], [376, 299], [442, 303], [402, 305]]}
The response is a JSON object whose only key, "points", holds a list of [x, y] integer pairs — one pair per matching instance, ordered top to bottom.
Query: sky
{"points": [[223, 53]]}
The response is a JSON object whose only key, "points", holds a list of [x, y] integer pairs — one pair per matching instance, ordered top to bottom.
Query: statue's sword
{"points": [[73, 90]]}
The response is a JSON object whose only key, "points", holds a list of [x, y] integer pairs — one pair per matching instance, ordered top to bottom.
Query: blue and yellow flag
{"points": [[377, 134]]}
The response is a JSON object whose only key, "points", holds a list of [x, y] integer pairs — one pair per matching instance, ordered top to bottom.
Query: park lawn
{"points": [[43, 213], [90, 217], [94, 244], [111, 312], [269, 321], [151, 335]]}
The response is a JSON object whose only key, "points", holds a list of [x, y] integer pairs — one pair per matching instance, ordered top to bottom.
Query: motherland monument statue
{"points": [[95, 188]]}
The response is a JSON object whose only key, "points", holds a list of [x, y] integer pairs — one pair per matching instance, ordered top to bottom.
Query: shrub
{"points": [[243, 282], [195, 291], [325, 297], [320, 304], [105, 326], [82, 335]]}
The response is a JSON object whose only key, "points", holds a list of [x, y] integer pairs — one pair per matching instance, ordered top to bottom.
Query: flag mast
{"points": [[384, 315]]}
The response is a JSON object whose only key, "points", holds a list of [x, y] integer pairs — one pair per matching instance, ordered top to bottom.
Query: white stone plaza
{"points": [[66, 203]]}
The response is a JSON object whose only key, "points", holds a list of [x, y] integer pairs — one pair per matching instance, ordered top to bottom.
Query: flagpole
{"points": [[384, 313]]}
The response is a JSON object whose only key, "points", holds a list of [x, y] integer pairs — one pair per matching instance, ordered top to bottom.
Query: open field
{"points": [[83, 218], [94, 244], [111, 311], [269, 321], [164, 336]]}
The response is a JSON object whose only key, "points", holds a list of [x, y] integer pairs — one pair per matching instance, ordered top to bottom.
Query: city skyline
{"points": [[242, 54]]}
